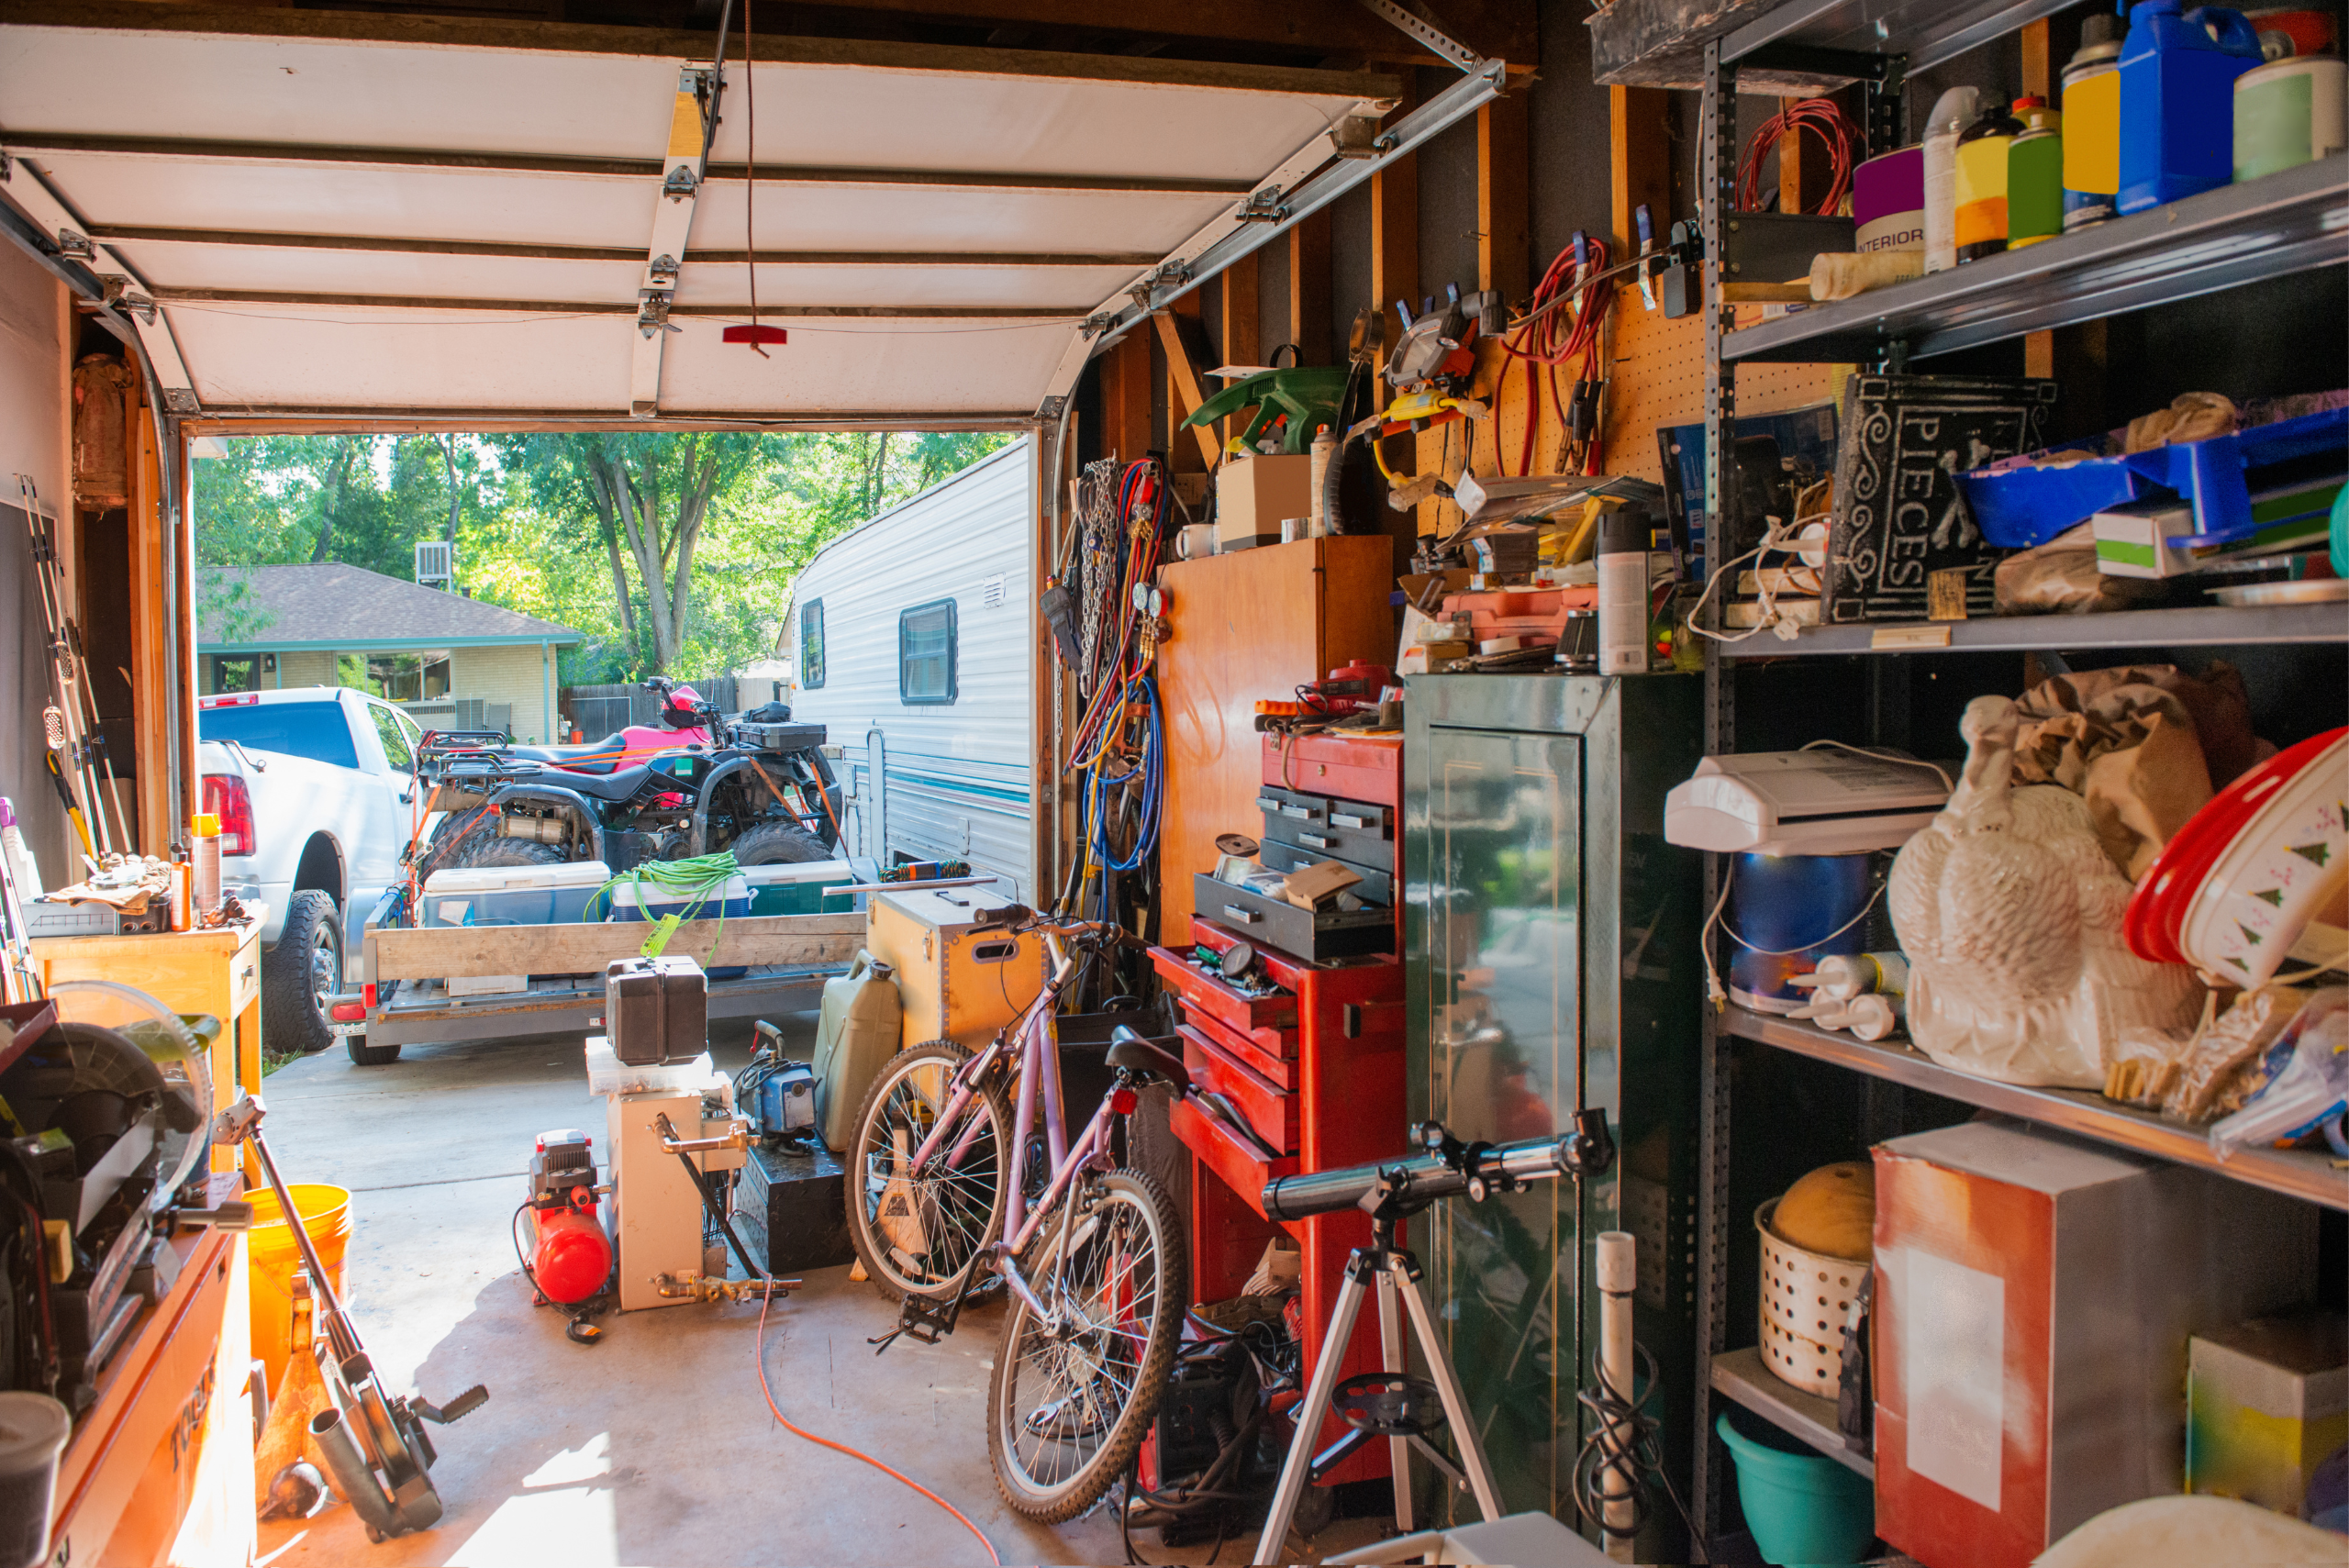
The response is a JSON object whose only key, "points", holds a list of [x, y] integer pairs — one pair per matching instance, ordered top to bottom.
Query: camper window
{"points": [[811, 645], [926, 654]]}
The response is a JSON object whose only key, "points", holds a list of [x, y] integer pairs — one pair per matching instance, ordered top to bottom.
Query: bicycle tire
{"points": [[870, 1173], [1010, 1421]]}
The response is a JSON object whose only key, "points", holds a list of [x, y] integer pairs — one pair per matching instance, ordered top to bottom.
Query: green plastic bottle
{"points": [[2035, 174]]}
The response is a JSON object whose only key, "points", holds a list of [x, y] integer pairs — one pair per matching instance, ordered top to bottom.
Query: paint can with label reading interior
{"points": [[1888, 201]]}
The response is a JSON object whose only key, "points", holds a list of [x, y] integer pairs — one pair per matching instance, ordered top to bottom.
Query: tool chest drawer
{"points": [[1289, 806], [1368, 846], [1377, 879], [1302, 933], [1276, 1011], [1271, 1053], [1269, 1110], [1237, 1165]]}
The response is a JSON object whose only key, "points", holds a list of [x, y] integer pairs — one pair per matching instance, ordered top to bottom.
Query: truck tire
{"points": [[778, 844], [300, 977], [366, 1055]]}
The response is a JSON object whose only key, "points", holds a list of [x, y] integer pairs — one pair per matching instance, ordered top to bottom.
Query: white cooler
{"points": [[514, 895]]}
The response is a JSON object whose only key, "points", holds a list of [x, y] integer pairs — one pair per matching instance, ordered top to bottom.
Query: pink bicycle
{"points": [[942, 1195]]}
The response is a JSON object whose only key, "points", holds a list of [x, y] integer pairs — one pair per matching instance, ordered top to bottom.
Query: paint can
{"points": [[1953, 112], [2290, 113], [2092, 124], [1888, 201]]}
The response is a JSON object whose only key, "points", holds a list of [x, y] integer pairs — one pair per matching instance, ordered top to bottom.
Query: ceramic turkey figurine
{"points": [[2010, 913]]}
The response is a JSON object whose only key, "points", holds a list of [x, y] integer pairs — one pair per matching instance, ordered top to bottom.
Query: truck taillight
{"points": [[225, 796]]}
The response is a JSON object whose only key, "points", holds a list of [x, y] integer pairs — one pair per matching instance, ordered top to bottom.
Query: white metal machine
{"points": [[1819, 802], [656, 1211]]}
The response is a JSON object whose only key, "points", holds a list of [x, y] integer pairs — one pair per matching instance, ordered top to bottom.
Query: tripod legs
{"points": [[1396, 1272]]}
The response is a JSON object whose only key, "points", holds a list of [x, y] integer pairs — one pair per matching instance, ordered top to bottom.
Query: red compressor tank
{"points": [[571, 1257]]}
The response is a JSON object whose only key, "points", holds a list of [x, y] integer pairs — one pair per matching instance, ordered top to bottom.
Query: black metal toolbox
{"points": [[1315, 936], [656, 1009]]}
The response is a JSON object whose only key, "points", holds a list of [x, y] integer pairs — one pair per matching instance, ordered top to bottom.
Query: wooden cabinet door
{"points": [[1250, 627]]}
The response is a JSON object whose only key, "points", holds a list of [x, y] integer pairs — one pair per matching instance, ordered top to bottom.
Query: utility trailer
{"points": [[405, 972]]}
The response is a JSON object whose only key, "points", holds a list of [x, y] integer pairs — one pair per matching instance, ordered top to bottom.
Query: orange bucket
{"points": [[272, 1257]]}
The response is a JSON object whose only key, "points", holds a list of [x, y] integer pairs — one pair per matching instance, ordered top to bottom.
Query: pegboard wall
{"points": [[1656, 377], [1659, 379]]}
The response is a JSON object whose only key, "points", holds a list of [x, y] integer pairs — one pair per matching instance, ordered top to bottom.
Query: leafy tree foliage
{"points": [[670, 551]]}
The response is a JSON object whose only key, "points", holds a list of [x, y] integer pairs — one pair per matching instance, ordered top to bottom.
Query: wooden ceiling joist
{"points": [[573, 38]]}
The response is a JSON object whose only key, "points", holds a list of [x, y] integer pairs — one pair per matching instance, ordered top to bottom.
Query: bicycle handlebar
{"points": [[1447, 1169]]}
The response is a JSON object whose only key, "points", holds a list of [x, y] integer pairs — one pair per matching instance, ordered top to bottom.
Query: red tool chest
{"points": [[1315, 1073]]}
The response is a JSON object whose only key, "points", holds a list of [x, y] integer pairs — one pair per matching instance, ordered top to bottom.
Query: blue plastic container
{"points": [[2177, 99], [1797, 909], [1803, 1507]]}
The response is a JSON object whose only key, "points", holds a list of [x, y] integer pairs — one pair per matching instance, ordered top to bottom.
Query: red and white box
{"points": [[2033, 1298]]}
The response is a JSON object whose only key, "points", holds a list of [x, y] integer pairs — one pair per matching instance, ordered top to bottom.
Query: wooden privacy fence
{"points": [[600, 710]]}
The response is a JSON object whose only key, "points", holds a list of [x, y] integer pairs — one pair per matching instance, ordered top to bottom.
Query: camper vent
{"points": [[993, 591]]}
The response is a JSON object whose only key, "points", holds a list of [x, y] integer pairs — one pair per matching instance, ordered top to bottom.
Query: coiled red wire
{"points": [[1824, 119], [1560, 330]]}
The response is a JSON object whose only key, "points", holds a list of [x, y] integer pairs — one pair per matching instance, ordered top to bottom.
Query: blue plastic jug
{"points": [[2177, 83]]}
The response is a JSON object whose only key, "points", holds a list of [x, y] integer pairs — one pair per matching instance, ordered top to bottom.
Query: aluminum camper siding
{"points": [[959, 776]]}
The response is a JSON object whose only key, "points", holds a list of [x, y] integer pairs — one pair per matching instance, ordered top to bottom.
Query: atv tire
{"points": [[778, 844]]}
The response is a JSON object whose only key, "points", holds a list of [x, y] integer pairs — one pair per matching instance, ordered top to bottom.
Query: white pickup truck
{"points": [[315, 795]]}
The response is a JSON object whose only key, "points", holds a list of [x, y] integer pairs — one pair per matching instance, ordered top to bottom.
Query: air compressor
{"points": [[570, 1253]]}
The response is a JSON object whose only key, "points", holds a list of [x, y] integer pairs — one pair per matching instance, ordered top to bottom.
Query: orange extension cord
{"points": [[761, 1351]]}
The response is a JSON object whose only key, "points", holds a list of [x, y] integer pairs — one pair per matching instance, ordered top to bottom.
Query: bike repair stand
{"points": [[1390, 1404]]}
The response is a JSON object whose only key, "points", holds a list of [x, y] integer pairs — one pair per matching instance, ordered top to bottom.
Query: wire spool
{"points": [[1806, 1300]]}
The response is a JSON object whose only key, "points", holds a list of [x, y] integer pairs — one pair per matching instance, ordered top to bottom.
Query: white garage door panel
{"points": [[294, 90], [411, 95], [436, 204], [878, 217], [375, 272], [280, 356], [966, 367]]}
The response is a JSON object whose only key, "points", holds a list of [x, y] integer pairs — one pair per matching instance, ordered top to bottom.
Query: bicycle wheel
{"points": [[918, 1231], [1067, 1405]]}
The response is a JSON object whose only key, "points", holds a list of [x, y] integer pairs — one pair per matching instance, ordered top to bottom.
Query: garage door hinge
{"points": [[1439, 43], [680, 183], [1264, 207], [76, 247], [662, 269], [1166, 275], [140, 306], [652, 312], [1098, 323], [180, 400]]}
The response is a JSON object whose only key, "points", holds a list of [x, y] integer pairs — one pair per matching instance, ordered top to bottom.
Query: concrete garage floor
{"points": [[653, 1446]]}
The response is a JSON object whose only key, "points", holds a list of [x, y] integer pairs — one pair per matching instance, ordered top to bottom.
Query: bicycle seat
{"points": [[1149, 1056]]}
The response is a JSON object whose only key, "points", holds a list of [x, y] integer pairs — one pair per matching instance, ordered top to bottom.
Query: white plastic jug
{"points": [[857, 1031]]}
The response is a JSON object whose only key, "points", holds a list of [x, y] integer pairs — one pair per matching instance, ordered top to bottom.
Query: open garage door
{"points": [[317, 214]]}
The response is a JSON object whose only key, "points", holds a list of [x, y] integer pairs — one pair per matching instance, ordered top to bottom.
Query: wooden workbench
{"points": [[216, 972]]}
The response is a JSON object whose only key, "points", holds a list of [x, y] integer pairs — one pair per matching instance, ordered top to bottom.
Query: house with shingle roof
{"points": [[450, 659]]}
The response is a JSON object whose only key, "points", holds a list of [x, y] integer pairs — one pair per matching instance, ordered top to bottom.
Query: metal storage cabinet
{"points": [[1551, 963]]}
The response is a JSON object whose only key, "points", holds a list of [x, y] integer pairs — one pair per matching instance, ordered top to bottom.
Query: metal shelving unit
{"points": [[2284, 224], [2237, 234], [2201, 626], [2300, 1173], [1743, 1376]]}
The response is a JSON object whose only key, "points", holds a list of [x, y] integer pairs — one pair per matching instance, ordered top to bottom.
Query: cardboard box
{"points": [[1253, 494], [1318, 883], [2034, 1295], [2268, 1402]]}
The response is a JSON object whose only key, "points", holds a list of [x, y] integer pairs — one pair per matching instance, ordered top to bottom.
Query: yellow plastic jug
{"points": [[857, 1030]]}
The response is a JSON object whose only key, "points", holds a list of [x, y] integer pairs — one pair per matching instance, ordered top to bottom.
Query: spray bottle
{"points": [[1953, 112], [2092, 124], [1981, 209], [1623, 539], [204, 860]]}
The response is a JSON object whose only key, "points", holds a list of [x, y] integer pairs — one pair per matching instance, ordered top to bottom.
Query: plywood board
{"points": [[454, 952]]}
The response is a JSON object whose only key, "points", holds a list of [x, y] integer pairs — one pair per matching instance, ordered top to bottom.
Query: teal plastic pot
{"points": [[1803, 1508]]}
